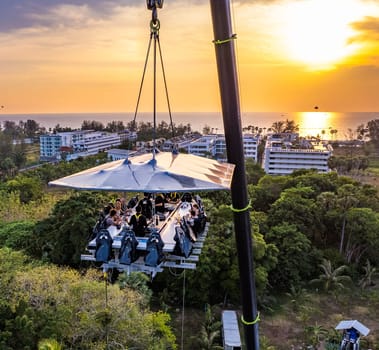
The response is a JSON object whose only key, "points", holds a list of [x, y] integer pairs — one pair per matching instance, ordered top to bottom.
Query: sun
{"points": [[318, 32]]}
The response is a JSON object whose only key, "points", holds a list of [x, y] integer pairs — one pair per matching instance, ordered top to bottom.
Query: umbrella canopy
{"points": [[166, 172], [353, 324]]}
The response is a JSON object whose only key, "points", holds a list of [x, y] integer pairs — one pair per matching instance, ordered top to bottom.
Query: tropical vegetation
{"points": [[316, 238]]}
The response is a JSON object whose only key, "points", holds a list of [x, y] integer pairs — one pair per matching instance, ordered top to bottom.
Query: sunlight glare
{"points": [[318, 31], [315, 123]]}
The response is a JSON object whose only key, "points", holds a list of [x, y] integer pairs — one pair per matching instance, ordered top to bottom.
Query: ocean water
{"points": [[310, 123]]}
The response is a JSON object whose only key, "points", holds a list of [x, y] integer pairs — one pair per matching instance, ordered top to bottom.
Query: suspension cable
{"points": [[154, 33], [143, 78], [166, 89]]}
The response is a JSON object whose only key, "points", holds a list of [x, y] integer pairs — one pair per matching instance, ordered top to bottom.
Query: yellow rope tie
{"points": [[219, 42], [241, 210], [257, 319]]}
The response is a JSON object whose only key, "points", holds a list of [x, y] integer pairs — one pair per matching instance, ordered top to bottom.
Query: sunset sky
{"points": [[88, 56]]}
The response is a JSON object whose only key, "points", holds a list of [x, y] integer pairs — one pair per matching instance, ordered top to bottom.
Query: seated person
{"points": [[172, 197], [187, 197], [132, 202], [160, 204], [146, 206], [118, 207], [196, 209], [113, 219], [138, 222], [350, 335], [353, 335]]}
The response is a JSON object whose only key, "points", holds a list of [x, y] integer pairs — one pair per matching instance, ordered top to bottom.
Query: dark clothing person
{"points": [[160, 204], [146, 207], [139, 223]]}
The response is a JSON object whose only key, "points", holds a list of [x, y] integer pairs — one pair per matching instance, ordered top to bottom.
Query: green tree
{"points": [[92, 125], [115, 126], [31, 128], [373, 131], [19, 158], [253, 172], [29, 188], [267, 191], [346, 199], [296, 206], [362, 229], [16, 235], [62, 237], [295, 256], [331, 279], [48, 302]]}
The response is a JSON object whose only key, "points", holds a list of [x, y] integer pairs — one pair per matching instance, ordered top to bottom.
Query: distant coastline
{"points": [[310, 123]]}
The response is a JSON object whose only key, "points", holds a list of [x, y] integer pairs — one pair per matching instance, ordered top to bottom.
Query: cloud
{"points": [[30, 13], [368, 29]]}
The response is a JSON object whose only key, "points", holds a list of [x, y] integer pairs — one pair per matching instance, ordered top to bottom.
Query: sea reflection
{"points": [[318, 124]]}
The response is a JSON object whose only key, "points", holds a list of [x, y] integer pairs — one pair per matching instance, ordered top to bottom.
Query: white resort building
{"points": [[76, 144], [283, 155]]}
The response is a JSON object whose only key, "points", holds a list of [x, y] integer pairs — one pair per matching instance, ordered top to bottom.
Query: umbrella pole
{"points": [[228, 85]]}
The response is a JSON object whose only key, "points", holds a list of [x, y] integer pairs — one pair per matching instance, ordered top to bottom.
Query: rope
{"points": [[224, 41], [240, 210], [105, 274], [184, 294], [257, 319]]}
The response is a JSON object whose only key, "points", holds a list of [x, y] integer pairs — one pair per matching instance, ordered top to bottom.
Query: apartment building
{"points": [[77, 143], [50, 147], [282, 157]]}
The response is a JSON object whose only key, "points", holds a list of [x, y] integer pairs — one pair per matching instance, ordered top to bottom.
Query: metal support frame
{"points": [[228, 84]]}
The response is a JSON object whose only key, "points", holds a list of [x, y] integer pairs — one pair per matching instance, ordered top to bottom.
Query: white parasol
{"points": [[165, 172]]}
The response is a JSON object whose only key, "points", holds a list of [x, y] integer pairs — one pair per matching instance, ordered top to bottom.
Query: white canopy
{"points": [[166, 172], [353, 324]]}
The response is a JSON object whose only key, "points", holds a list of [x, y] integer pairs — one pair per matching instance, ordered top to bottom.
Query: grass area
{"points": [[298, 321], [294, 323]]}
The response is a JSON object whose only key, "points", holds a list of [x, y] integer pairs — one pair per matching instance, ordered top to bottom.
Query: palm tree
{"points": [[277, 127], [331, 278], [366, 280], [297, 295], [209, 333], [315, 334], [49, 344]]}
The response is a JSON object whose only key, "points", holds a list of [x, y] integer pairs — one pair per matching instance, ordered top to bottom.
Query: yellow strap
{"points": [[219, 42], [240, 210], [257, 319]]}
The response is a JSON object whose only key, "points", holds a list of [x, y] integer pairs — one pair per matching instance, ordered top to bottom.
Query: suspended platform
{"points": [[178, 253], [170, 260]]}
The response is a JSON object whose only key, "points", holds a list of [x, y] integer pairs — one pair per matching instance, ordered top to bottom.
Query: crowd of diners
{"points": [[140, 214]]}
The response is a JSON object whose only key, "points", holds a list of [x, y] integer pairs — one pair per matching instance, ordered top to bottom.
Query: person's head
{"points": [[118, 203], [195, 206], [107, 209], [138, 209], [113, 212], [193, 213]]}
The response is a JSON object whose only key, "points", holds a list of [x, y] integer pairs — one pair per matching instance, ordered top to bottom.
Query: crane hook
{"points": [[153, 5]]}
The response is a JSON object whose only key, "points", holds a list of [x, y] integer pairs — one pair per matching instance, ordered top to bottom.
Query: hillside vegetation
{"points": [[316, 238]]}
